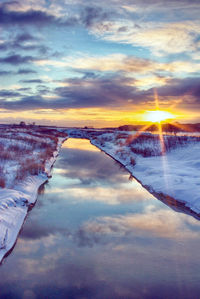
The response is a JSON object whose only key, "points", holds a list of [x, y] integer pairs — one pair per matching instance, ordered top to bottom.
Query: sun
{"points": [[158, 115]]}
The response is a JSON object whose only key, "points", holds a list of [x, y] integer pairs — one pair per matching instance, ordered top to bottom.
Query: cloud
{"points": [[92, 14], [12, 15], [8, 17], [24, 37], [159, 38], [24, 41], [16, 59], [113, 62], [26, 71], [19, 72], [148, 72], [6, 73], [32, 81], [181, 87], [97, 92], [113, 92], [9, 93], [79, 93], [90, 168], [148, 223]]}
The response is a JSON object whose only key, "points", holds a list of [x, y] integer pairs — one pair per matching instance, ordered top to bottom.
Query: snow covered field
{"points": [[26, 157], [173, 177]]}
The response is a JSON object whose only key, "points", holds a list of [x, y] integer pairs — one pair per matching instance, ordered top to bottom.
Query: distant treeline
{"points": [[166, 127]]}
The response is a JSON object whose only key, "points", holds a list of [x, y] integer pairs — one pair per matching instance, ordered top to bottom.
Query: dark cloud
{"points": [[91, 15], [20, 17], [31, 17], [24, 37], [20, 43], [4, 46], [16, 59], [26, 71], [19, 72], [6, 73], [32, 81], [181, 87], [24, 89], [42, 89], [114, 91], [93, 92], [97, 92], [9, 93], [25, 103], [35, 231]]}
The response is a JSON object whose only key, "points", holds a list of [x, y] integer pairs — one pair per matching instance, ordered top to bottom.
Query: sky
{"points": [[98, 63]]}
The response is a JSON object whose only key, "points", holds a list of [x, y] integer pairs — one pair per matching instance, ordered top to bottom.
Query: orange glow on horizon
{"points": [[96, 116]]}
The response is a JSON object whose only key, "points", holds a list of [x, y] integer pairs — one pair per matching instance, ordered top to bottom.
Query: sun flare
{"points": [[158, 116]]}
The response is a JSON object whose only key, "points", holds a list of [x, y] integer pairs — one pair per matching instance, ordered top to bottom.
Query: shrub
{"points": [[132, 161], [2, 182]]}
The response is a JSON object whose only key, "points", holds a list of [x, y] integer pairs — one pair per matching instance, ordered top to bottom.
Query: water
{"points": [[96, 234]]}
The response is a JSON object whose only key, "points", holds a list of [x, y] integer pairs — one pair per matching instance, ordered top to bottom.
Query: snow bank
{"points": [[173, 177], [14, 203]]}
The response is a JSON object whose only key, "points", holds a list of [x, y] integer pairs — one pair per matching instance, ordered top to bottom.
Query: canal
{"points": [[96, 233]]}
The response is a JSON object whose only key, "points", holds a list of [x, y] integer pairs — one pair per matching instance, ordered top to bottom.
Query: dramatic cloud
{"points": [[77, 54], [93, 92], [111, 92]]}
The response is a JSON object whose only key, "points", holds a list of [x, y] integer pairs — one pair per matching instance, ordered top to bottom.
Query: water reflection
{"points": [[94, 235]]}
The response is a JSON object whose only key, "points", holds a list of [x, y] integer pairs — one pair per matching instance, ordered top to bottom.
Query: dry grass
{"points": [[145, 144], [24, 151]]}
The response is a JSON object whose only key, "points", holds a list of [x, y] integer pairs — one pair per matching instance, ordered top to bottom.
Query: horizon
{"points": [[146, 126]]}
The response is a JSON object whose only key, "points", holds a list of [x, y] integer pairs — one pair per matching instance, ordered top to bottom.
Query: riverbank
{"points": [[172, 176], [16, 200]]}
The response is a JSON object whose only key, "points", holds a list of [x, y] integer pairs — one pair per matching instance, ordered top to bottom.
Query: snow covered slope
{"points": [[173, 177], [21, 183]]}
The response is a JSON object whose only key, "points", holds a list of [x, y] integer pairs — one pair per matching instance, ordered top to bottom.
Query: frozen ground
{"points": [[26, 158], [173, 177]]}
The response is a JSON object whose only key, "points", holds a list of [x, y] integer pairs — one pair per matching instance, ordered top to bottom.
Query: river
{"points": [[96, 233]]}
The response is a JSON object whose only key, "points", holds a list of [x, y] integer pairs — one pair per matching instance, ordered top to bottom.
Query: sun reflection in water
{"points": [[80, 144]]}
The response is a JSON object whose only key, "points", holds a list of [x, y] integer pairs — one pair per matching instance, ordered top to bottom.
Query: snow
{"points": [[174, 175], [15, 201]]}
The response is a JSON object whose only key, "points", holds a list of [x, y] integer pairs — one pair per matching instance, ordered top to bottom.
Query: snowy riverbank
{"points": [[173, 177], [15, 202]]}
